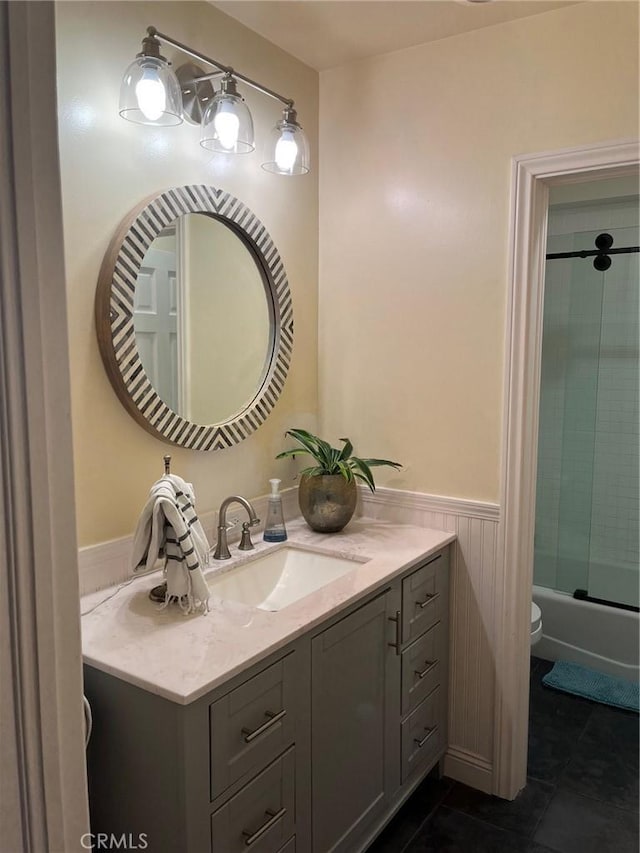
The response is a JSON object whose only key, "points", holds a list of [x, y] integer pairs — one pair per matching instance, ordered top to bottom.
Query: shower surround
{"points": [[587, 506]]}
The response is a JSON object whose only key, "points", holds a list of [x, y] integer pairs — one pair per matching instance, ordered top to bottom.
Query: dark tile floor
{"points": [[581, 794]]}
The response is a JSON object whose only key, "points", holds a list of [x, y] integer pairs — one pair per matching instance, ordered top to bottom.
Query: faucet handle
{"points": [[245, 542]]}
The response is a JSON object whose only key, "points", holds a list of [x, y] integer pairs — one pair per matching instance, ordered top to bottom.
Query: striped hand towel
{"points": [[169, 529]]}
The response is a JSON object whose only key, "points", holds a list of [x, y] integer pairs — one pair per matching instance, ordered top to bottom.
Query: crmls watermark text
{"points": [[111, 841]]}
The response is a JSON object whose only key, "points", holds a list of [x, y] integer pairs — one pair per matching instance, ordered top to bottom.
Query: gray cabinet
{"points": [[424, 596], [424, 667], [352, 704], [252, 725], [423, 735], [312, 750], [210, 776], [262, 815]]}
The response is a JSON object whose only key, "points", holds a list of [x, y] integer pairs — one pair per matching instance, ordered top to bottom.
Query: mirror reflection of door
{"points": [[156, 318], [204, 335]]}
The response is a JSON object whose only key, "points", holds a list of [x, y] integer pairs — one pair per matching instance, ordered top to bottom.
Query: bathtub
{"points": [[594, 635]]}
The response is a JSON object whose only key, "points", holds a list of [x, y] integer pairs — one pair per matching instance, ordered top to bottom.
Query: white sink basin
{"points": [[280, 577]]}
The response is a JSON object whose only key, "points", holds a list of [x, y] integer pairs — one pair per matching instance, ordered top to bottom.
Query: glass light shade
{"points": [[150, 93], [227, 126], [287, 151]]}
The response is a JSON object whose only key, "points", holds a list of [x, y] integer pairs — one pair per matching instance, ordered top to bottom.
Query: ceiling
{"points": [[328, 33]]}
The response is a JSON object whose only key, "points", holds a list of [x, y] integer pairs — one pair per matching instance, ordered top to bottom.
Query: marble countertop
{"points": [[183, 657]]}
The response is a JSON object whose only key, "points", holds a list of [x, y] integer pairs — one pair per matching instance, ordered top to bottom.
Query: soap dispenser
{"points": [[274, 529]]}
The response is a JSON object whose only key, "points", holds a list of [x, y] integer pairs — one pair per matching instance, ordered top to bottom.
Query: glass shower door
{"points": [[571, 344], [587, 489]]}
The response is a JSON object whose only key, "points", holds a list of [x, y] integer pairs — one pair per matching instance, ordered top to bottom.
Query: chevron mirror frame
{"points": [[114, 317]]}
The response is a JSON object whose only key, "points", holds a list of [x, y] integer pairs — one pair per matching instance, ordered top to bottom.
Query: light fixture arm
{"points": [[221, 69]]}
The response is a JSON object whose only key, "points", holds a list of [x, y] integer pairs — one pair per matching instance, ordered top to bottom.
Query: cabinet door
{"points": [[352, 666]]}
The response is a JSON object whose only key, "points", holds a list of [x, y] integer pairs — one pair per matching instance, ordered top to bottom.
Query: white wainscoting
{"points": [[472, 680]]}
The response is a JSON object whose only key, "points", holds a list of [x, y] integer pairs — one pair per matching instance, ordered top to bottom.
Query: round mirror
{"points": [[193, 314]]}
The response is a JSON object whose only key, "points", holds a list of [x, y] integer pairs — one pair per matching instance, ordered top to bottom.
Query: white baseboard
{"points": [[468, 768]]}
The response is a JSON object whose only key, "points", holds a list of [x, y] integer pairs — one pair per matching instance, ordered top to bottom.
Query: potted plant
{"points": [[327, 493]]}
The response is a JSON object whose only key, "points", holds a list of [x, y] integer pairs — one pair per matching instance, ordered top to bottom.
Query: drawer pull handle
{"points": [[427, 600], [398, 642], [430, 665], [273, 718], [421, 742], [273, 817]]}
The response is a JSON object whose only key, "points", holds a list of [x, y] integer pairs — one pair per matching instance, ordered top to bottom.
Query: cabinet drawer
{"points": [[424, 597], [423, 666], [252, 724], [422, 735], [262, 816], [289, 847]]}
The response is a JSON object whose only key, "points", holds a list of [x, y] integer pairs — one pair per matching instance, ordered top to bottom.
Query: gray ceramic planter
{"points": [[327, 501]]}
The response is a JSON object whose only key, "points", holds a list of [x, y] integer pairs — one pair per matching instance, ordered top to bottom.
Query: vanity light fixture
{"points": [[152, 93], [227, 125], [287, 151]]}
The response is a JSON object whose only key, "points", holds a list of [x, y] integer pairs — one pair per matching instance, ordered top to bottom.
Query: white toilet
{"points": [[536, 623]]}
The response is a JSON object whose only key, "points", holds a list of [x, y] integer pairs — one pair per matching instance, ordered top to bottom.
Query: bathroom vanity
{"points": [[297, 730]]}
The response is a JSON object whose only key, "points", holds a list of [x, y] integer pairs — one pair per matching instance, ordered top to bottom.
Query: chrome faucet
{"points": [[222, 549]]}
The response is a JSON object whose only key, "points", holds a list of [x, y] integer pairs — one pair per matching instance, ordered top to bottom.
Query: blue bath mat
{"points": [[572, 678]]}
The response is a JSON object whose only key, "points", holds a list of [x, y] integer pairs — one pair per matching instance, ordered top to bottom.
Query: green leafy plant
{"points": [[334, 460]]}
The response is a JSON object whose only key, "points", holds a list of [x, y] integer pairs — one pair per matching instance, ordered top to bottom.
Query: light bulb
{"points": [[151, 94], [227, 125], [286, 151]]}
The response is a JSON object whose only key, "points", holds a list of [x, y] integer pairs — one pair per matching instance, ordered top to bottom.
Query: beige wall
{"points": [[416, 151], [108, 165], [413, 232]]}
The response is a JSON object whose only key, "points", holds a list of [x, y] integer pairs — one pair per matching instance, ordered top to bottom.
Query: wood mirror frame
{"points": [[114, 310]]}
